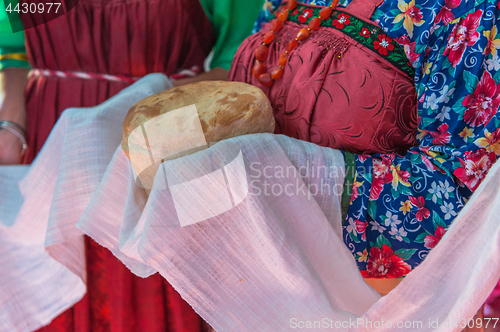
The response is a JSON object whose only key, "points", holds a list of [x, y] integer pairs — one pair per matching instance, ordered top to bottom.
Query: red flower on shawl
{"points": [[295, 11], [445, 13], [305, 15], [341, 21], [365, 32], [463, 34], [383, 44], [409, 48], [421, 100], [483, 103], [442, 136], [363, 157], [430, 166], [475, 167], [381, 175], [423, 212], [360, 228], [431, 241], [382, 263]]}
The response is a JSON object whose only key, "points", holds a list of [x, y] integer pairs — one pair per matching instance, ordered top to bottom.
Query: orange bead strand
{"points": [[291, 5], [325, 13], [283, 16], [314, 23], [276, 25], [303, 34], [268, 37], [292, 44], [262, 51], [283, 59], [258, 69], [277, 73], [266, 79]]}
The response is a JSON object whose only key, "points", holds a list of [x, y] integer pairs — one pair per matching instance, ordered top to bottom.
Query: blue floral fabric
{"points": [[402, 205]]}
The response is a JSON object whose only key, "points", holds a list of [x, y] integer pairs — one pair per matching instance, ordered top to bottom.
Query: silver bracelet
{"points": [[17, 130]]}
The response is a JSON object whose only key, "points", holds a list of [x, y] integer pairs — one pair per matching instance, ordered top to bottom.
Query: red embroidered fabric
{"points": [[118, 37], [335, 91]]}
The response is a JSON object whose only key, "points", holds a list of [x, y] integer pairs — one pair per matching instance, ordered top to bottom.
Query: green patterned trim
{"points": [[367, 34], [350, 166]]}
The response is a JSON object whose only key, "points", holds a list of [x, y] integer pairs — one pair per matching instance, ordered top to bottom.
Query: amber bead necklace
{"points": [[259, 70]]}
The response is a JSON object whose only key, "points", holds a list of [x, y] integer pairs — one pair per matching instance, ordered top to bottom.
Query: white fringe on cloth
{"points": [[271, 262]]}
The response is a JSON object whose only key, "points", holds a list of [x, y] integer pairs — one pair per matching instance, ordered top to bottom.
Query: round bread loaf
{"points": [[223, 109]]}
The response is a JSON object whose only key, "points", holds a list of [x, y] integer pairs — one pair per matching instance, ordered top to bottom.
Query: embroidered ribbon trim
{"points": [[367, 34]]}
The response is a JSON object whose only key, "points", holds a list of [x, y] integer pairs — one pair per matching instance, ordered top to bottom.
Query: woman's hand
{"points": [[12, 108], [10, 148]]}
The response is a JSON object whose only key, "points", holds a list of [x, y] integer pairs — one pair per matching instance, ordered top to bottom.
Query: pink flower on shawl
{"points": [[445, 13], [463, 34], [409, 48], [483, 103], [442, 136], [475, 167], [381, 175], [423, 212], [360, 228], [431, 241], [382, 263]]}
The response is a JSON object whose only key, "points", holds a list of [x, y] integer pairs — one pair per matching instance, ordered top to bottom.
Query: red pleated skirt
{"points": [[117, 37]]}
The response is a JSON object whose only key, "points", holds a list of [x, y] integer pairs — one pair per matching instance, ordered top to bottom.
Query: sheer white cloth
{"points": [[260, 262]]}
